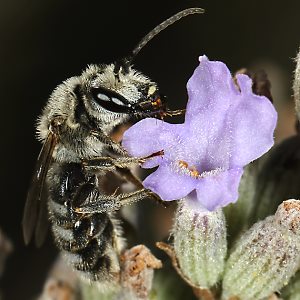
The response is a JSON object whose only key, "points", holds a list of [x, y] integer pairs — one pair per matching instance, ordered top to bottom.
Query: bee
{"points": [[78, 152]]}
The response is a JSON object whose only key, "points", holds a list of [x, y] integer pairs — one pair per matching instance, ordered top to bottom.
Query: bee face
{"points": [[110, 97], [100, 99]]}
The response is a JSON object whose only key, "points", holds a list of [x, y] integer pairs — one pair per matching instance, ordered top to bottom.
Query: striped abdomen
{"points": [[90, 242]]}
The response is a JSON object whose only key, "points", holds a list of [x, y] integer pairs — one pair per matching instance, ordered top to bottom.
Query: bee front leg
{"points": [[110, 144]]}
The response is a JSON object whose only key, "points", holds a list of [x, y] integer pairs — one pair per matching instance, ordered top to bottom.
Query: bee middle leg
{"points": [[107, 163], [99, 164], [120, 165]]}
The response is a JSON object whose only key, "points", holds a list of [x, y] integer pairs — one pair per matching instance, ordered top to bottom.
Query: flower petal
{"points": [[210, 90], [212, 94], [253, 123], [230, 128], [149, 136], [168, 184], [219, 190]]}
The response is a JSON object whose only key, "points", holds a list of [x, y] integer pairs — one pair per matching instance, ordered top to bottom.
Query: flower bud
{"points": [[288, 215], [200, 244], [266, 256]]}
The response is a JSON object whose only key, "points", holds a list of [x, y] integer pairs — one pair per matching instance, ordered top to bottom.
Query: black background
{"points": [[45, 42]]}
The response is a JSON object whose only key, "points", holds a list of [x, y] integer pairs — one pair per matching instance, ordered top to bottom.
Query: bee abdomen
{"points": [[59, 215], [82, 232], [89, 245], [90, 255]]}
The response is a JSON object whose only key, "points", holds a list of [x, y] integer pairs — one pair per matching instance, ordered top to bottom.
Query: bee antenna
{"points": [[147, 38], [125, 63]]}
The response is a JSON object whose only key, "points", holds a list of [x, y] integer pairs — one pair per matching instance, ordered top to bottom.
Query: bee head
{"points": [[112, 98]]}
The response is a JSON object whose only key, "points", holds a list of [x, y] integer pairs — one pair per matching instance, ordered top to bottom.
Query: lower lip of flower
{"points": [[183, 167]]}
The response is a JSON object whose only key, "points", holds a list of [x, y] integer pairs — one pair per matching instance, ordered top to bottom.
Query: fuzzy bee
{"points": [[77, 153]]}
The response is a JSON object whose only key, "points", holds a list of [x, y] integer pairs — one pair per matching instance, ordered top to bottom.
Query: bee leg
{"points": [[111, 144], [110, 164], [120, 165], [127, 174], [101, 203]]}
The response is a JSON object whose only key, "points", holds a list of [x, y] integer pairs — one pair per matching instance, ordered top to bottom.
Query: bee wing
{"points": [[35, 212], [42, 223]]}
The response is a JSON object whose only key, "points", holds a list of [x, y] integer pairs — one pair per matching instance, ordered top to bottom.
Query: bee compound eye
{"points": [[103, 97], [110, 100], [117, 101]]}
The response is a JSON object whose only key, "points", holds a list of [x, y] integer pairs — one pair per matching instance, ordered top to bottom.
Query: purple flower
{"points": [[225, 128]]}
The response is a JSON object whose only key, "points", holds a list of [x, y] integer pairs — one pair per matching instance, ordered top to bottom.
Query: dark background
{"points": [[45, 42]]}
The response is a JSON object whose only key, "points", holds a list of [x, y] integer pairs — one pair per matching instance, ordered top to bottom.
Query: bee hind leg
{"points": [[105, 204]]}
